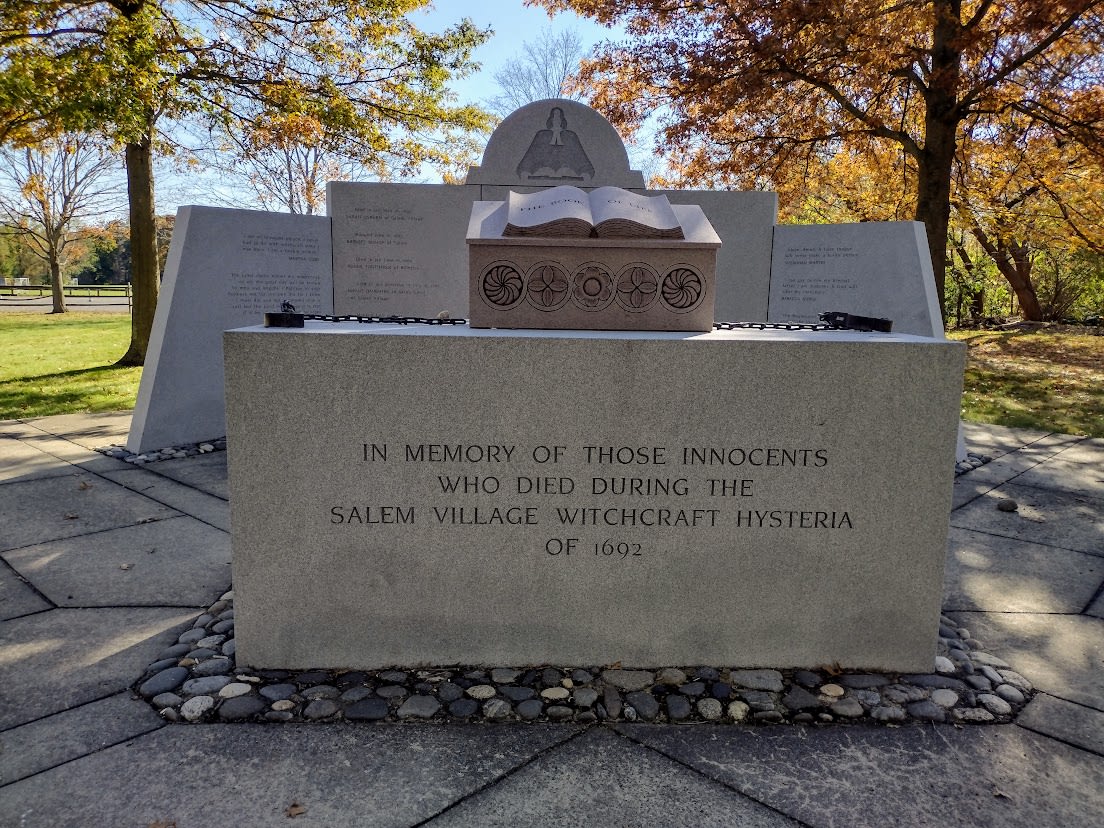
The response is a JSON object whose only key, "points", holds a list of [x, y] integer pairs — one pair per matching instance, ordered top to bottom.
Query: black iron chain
{"points": [[387, 320], [829, 321], [718, 326], [776, 326]]}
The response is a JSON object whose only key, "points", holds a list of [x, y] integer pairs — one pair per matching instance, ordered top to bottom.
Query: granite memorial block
{"points": [[555, 141], [745, 223], [398, 249], [225, 268], [879, 269], [592, 283], [533, 497]]}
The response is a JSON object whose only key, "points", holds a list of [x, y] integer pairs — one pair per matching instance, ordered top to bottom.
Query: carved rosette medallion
{"points": [[501, 285], [592, 286], [547, 287], [637, 287], [682, 289]]}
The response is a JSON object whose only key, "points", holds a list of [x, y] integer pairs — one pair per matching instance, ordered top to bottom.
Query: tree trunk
{"points": [[941, 118], [1014, 263], [145, 275], [56, 288]]}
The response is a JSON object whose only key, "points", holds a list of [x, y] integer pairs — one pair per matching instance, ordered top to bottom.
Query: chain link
{"points": [[386, 320], [832, 322], [776, 326]]}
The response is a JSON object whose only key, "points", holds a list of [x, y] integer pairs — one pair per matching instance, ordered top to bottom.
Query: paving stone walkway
{"points": [[105, 564]]}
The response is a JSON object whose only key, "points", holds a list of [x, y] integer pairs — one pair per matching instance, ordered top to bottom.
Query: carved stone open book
{"points": [[607, 212]]}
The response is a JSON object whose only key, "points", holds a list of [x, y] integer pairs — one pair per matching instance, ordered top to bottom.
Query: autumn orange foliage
{"points": [[758, 93]]}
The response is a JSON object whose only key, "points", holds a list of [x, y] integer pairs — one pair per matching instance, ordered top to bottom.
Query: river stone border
{"points": [[198, 680]]}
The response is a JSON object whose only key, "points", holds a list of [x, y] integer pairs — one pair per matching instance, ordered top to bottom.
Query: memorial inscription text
{"points": [[594, 499]]}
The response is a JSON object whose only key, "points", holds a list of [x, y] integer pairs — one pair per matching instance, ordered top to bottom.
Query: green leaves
{"points": [[359, 69]]}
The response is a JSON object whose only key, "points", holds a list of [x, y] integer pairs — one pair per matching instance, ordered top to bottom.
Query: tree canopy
{"points": [[131, 69], [752, 91], [47, 189]]}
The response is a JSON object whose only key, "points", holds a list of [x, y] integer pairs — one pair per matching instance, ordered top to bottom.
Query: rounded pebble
{"points": [[191, 636], [988, 659], [944, 665], [214, 667], [503, 675], [670, 676], [769, 680], [1016, 680], [163, 682], [204, 685], [235, 689], [321, 691], [832, 691], [276, 692], [448, 692], [481, 692], [354, 694], [517, 694], [554, 694], [1010, 694], [584, 697], [945, 698], [163, 700], [644, 704], [994, 704], [283, 705], [242, 707], [419, 707], [678, 707], [196, 708], [463, 708], [847, 708], [320, 709], [497, 709], [530, 709], [710, 709], [368, 710], [738, 711], [927, 711], [559, 712], [888, 713], [978, 715]]}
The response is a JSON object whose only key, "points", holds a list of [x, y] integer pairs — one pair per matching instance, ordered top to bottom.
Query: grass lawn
{"points": [[61, 364], [1043, 380]]}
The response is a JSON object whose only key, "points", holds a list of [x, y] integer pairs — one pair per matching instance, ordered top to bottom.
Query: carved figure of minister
{"points": [[556, 153]]}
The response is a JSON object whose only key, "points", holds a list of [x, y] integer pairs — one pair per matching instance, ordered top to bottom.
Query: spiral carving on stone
{"points": [[502, 285], [682, 288]]}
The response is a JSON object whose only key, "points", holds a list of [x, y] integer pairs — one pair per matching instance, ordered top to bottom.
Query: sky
{"points": [[513, 23]]}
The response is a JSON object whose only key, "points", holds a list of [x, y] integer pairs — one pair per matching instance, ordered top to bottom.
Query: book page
{"points": [[608, 203], [544, 206]]}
